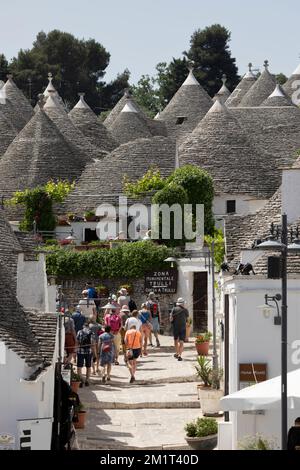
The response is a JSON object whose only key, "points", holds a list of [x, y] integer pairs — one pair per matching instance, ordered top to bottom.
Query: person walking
{"points": [[123, 298], [114, 301], [87, 305], [153, 306], [124, 314], [78, 318], [178, 318], [113, 319], [133, 320], [146, 327], [95, 328], [70, 339], [133, 342], [84, 353], [107, 353], [293, 442]]}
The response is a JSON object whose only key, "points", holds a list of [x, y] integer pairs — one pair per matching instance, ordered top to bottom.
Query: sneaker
{"points": [[158, 345], [176, 356], [179, 358], [117, 363], [103, 379], [108, 379], [131, 380], [87, 384], [81, 385]]}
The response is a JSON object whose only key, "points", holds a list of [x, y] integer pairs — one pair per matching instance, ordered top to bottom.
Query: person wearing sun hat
{"points": [[123, 298], [124, 314], [178, 318]]}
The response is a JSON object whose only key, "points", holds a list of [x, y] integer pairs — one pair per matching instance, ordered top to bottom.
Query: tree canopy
{"points": [[76, 65]]}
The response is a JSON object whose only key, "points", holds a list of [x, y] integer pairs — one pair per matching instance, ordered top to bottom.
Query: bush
{"points": [[128, 260], [203, 337], [202, 427], [257, 442]]}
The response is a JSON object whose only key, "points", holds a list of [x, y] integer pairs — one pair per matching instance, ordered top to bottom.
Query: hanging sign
{"points": [[161, 282], [251, 373]]}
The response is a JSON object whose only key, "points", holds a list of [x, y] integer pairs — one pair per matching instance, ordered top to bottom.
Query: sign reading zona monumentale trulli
{"points": [[161, 282]]}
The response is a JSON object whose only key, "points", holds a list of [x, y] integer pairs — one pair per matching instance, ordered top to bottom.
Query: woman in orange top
{"points": [[133, 343]]}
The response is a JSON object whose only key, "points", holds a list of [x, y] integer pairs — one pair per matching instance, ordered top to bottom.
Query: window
{"points": [[180, 119], [230, 207]]}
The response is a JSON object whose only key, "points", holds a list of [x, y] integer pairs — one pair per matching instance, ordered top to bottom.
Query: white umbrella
{"points": [[265, 395]]}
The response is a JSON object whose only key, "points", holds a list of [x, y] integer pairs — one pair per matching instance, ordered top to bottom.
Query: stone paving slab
{"points": [[177, 395], [136, 429]]}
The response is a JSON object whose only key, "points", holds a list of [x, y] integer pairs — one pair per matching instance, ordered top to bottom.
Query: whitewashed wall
{"points": [[244, 205], [32, 283]]}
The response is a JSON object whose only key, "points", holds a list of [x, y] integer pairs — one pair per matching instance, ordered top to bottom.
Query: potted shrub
{"points": [[90, 216], [103, 291], [188, 329], [202, 343], [75, 381], [209, 391], [80, 413], [202, 434]]}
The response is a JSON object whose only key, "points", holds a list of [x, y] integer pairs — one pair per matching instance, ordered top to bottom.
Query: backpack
{"points": [[153, 308], [114, 322], [85, 339]]}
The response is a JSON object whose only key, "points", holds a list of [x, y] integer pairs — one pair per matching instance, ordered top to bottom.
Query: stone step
{"points": [[165, 380], [136, 396]]}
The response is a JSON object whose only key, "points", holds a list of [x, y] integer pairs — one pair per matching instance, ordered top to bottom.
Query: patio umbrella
{"points": [[264, 395]]}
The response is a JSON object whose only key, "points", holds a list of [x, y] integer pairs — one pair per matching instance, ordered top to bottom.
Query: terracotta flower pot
{"points": [[187, 333], [202, 348], [75, 386], [210, 400], [80, 424]]}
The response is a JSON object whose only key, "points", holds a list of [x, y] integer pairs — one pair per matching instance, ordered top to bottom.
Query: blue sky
{"points": [[140, 33]]}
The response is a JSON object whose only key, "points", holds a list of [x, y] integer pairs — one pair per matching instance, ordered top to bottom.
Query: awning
{"points": [[265, 395]]}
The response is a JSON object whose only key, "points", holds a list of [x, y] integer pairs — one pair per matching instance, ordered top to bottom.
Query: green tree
{"points": [[209, 50], [76, 65], [3, 67], [281, 78], [145, 94], [198, 185]]}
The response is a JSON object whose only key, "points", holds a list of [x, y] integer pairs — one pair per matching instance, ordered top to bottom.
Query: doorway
{"points": [[200, 302]]}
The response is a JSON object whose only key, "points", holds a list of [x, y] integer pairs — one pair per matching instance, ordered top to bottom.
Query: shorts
{"points": [[155, 324], [179, 333], [70, 343], [136, 353], [84, 359]]}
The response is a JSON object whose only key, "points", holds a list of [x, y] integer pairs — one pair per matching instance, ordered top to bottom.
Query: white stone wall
{"points": [[291, 194], [244, 205], [254, 338], [20, 399]]}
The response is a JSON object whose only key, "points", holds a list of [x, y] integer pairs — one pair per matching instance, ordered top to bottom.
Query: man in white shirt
{"points": [[87, 305], [133, 321]]}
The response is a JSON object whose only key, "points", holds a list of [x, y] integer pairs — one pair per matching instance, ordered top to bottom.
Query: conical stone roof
{"points": [[291, 85], [242, 88], [261, 89], [223, 94], [278, 98], [17, 99], [187, 107], [108, 122], [129, 125], [91, 127], [273, 128], [7, 132], [72, 134], [220, 146], [38, 154], [102, 182], [9, 249]]}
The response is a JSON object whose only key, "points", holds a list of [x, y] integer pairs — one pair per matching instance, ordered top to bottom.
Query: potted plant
{"points": [[90, 216], [103, 291], [188, 329], [202, 343], [75, 381], [209, 391], [80, 413], [202, 434]]}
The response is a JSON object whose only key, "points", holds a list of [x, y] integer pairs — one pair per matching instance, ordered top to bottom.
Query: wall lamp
{"points": [[267, 308]]}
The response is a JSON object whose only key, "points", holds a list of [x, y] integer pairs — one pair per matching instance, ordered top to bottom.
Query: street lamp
{"points": [[272, 244]]}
